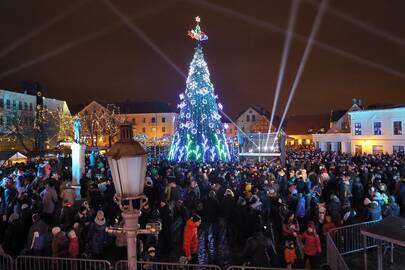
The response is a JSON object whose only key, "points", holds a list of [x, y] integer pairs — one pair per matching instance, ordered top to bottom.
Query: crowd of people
{"points": [[258, 214]]}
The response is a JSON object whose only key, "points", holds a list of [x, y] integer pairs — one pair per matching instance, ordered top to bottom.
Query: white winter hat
{"points": [[56, 230]]}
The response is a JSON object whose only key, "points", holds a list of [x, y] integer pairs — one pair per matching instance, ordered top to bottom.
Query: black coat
{"points": [[257, 251]]}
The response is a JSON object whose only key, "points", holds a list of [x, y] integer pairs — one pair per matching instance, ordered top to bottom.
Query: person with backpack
{"points": [[37, 236]]}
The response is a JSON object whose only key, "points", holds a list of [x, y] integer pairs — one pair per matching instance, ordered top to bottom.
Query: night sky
{"points": [[243, 58]]}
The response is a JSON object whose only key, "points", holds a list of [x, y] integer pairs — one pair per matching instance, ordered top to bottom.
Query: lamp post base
{"points": [[131, 227]]}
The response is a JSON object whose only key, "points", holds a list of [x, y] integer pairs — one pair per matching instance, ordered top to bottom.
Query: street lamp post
{"points": [[127, 161]]}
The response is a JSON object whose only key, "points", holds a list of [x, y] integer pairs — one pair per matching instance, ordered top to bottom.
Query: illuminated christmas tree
{"points": [[199, 131]]}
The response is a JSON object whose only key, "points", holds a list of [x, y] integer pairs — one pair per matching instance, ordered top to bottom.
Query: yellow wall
{"points": [[143, 124]]}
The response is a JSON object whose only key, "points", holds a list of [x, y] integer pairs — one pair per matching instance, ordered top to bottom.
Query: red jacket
{"points": [[190, 243], [312, 244], [73, 247]]}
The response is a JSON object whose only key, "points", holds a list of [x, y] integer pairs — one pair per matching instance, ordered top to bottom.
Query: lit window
{"points": [[397, 127], [357, 128], [377, 128], [378, 149], [398, 149]]}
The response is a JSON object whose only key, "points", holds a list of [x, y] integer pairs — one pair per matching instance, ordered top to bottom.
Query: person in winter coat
{"points": [[68, 194], [49, 201], [335, 208], [391, 208], [301, 210], [373, 210], [67, 216], [328, 225], [290, 226], [14, 236], [37, 236], [97, 237], [190, 239], [60, 243], [73, 244], [312, 246], [257, 250], [289, 254]]}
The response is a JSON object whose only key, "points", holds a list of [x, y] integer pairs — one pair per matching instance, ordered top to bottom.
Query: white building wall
{"points": [[387, 140], [368, 142]]}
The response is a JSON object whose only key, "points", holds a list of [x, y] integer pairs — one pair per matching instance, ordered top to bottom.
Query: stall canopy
{"points": [[12, 157]]}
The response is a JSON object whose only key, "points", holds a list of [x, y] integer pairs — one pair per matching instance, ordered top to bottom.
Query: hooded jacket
{"points": [[190, 242], [312, 244]]}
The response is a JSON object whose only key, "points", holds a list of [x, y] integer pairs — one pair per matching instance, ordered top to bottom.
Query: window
{"points": [[1, 103], [8, 104], [14, 104], [25, 106], [20, 107], [31, 107], [247, 118], [253, 118], [163, 119], [144, 120], [153, 120], [1, 121], [8, 121], [133, 121], [397, 127], [357, 128], [377, 128], [163, 129], [143, 130], [358, 149], [378, 149], [398, 149]]}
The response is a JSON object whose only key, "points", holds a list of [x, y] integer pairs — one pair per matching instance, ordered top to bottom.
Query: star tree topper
{"points": [[197, 34]]}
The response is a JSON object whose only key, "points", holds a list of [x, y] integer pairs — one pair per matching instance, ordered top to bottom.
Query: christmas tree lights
{"points": [[199, 131]]}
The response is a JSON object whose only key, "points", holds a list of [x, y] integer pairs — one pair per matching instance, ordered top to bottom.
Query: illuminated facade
{"points": [[18, 111], [151, 121], [372, 131]]}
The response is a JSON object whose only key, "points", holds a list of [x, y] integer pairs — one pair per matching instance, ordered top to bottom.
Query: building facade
{"points": [[18, 113], [152, 122], [372, 131]]}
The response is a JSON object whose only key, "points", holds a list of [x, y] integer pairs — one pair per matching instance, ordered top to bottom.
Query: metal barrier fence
{"points": [[348, 239], [333, 256], [6, 262], [52, 263], [123, 265], [252, 268]]}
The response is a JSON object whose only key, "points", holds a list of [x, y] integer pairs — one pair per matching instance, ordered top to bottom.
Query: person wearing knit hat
{"points": [[97, 237], [60, 243]]}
